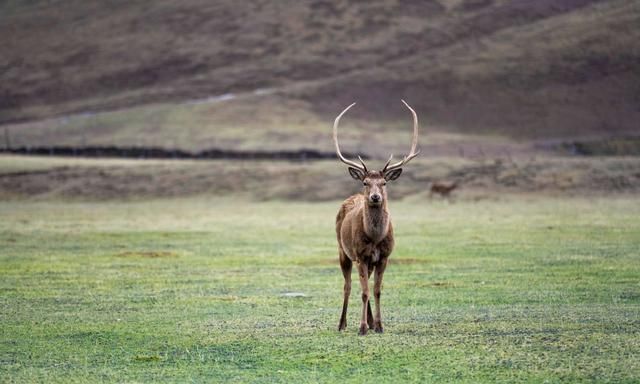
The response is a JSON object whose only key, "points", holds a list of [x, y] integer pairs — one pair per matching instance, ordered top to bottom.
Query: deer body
{"points": [[442, 189], [364, 231], [365, 234]]}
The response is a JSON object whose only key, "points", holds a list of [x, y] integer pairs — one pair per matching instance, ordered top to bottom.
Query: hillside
{"points": [[520, 69], [51, 178]]}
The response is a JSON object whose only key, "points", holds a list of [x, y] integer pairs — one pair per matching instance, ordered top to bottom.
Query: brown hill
{"points": [[517, 68]]}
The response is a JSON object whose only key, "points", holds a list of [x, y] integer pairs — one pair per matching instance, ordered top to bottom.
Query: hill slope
{"points": [[516, 68]]}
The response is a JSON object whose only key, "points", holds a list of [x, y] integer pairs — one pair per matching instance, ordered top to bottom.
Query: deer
{"points": [[443, 189], [364, 229]]}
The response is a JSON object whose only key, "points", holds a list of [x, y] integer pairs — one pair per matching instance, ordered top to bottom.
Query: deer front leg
{"points": [[345, 264], [363, 272], [377, 291], [369, 312]]}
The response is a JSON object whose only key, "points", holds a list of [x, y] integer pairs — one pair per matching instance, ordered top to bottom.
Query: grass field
{"points": [[195, 290]]}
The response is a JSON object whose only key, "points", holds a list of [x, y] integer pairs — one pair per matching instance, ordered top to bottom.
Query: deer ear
{"points": [[356, 173], [390, 176]]}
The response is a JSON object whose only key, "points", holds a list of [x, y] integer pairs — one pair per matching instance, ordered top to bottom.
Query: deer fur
{"points": [[365, 233]]}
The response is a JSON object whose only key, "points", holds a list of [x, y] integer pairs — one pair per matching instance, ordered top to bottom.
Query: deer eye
{"points": [[365, 184]]}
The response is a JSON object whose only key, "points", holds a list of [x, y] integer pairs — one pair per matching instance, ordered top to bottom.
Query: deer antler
{"points": [[414, 143], [350, 163]]}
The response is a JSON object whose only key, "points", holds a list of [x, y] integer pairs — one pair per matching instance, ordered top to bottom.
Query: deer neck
{"points": [[376, 222]]}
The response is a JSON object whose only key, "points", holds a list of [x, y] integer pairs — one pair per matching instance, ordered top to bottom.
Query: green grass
{"points": [[535, 290]]}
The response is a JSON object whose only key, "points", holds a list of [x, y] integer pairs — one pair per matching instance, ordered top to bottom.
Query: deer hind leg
{"points": [[345, 264], [363, 273], [377, 291]]}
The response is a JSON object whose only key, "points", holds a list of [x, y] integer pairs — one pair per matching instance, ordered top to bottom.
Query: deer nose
{"points": [[375, 198]]}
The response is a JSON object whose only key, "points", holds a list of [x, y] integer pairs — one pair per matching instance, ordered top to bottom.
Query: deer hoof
{"points": [[342, 327], [363, 329]]}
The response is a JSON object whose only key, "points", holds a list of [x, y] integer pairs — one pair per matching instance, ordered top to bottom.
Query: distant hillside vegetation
{"points": [[519, 68]]}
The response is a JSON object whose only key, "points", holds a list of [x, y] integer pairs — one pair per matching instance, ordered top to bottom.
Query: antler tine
{"points": [[335, 141], [414, 143], [363, 164], [387, 164]]}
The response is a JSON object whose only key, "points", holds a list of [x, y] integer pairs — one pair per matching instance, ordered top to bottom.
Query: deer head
{"points": [[374, 182]]}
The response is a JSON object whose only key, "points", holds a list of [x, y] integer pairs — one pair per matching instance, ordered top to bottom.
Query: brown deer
{"points": [[442, 189], [364, 230]]}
